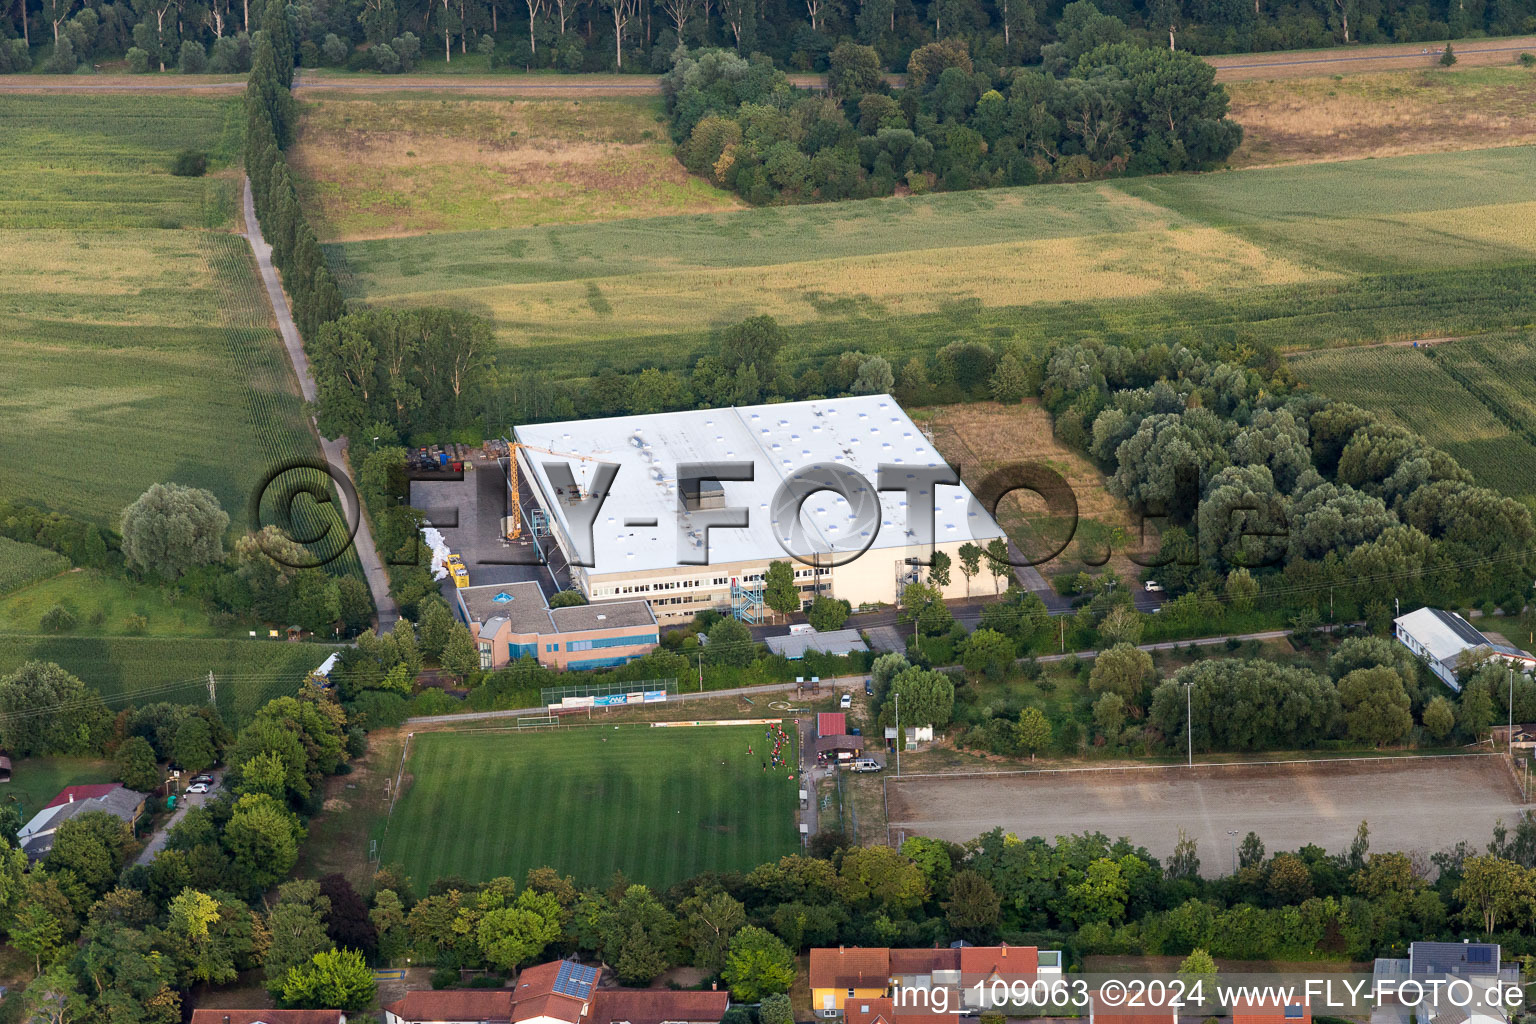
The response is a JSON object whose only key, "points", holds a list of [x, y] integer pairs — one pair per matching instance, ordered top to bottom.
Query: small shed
{"points": [[831, 723], [839, 747], [5, 768]]}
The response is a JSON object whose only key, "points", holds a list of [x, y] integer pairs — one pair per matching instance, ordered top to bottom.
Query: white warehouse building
{"points": [[637, 551]]}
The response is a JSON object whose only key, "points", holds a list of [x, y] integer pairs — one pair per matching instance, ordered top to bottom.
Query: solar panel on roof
{"points": [[1479, 955], [575, 980], [1293, 1012]]}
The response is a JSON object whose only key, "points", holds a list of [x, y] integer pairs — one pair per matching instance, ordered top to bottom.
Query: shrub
{"points": [[334, 50], [1447, 57], [194, 59], [63, 60], [1528, 60], [138, 61], [189, 163], [58, 619], [137, 625], [443, 977]]}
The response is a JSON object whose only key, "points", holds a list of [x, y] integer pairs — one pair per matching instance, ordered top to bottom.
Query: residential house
{"points": [[1447, 642], [36, 836], [1478, 963], [916, 981], [559, 992], [1101, 1011], [1270, 1012], [225, 1016]]}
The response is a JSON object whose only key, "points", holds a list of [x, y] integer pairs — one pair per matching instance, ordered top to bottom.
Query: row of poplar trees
{"points": [[271, 116]]}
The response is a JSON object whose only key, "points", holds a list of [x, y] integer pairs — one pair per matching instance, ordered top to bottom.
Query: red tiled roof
{"points": [[831, 723], [87, 792], [924, 961], [1006, 962], [851, 967], [482, 1004], [555, 1005], [657, 1006], [884, 1011], [1271, 1012], [1133, 1014], [218, 1016]]}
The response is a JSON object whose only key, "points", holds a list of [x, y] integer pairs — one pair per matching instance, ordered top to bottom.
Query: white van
{"points": [[865, 764]]}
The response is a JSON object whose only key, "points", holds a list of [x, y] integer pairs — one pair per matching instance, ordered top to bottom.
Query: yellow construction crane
{"points": [[515, 520]]}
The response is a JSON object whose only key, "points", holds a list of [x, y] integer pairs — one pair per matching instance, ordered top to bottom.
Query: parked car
{"points": [[1154, 587], [869, 687], [847, 701], [865, 764], [205, 777], [198, 787]]}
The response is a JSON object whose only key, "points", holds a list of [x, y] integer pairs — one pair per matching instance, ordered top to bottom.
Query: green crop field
{"points": [[73, 161], [1301, 257], [140, 343], [1450, 394], [21, 564], [140, 670], [657, 804]]}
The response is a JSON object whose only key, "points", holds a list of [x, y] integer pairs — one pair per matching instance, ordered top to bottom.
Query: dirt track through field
{"points": [[1353, 59], [1420, 804]]}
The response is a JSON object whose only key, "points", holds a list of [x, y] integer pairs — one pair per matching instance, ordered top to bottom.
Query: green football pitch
{"points": [[659, 804]]}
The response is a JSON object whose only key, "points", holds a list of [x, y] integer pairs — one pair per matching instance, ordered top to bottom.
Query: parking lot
{"points": [[469, 514]]}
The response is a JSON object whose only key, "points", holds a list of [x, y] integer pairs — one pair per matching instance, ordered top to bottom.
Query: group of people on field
{"points": [[778, 740]]}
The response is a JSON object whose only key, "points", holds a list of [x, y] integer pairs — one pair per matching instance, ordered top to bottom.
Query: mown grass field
{"points": [[378, 166], [1300, 257], [1460, 395], [21, 564], [104, 605], [141, 670], [37, 780], [656, 804]]}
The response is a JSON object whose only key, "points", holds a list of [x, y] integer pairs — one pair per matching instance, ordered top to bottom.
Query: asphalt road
{"points": [[335, 451], [837, 683]]}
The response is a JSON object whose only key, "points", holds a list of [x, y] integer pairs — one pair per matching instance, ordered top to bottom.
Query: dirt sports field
{"points": [[1412, 804]]}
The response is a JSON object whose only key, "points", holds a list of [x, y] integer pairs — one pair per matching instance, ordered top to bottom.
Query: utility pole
{"points": [[1063, 623], [701, 671], [213, 692], [1189, 727], [898, 734], [1510, 738], [1232, 835]]}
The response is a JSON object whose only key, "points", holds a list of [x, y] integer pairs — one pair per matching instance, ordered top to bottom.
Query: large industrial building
{"points": [[635, 536]]}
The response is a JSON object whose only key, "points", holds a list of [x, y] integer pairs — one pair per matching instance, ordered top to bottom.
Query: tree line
{"points": [[642, 35], [1103, 104]]}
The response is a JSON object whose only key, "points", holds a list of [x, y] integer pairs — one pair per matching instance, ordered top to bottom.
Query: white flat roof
{"points": [[860, 432], [1443, 634]]}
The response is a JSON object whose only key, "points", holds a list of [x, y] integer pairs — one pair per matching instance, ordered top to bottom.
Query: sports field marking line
{"points": [[1178, 767]]}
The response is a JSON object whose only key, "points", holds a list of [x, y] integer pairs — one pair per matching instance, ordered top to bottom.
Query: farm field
{"points": [[1350, 117], [102, 161], [378, 166], [1298, 257], [139, 356], [1461, 395], [982, 437], [21, 564], [139, 670], [1456, 798], [654, 803]]}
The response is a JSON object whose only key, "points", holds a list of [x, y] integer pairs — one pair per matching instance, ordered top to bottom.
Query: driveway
{"points": [[186, 800]]}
